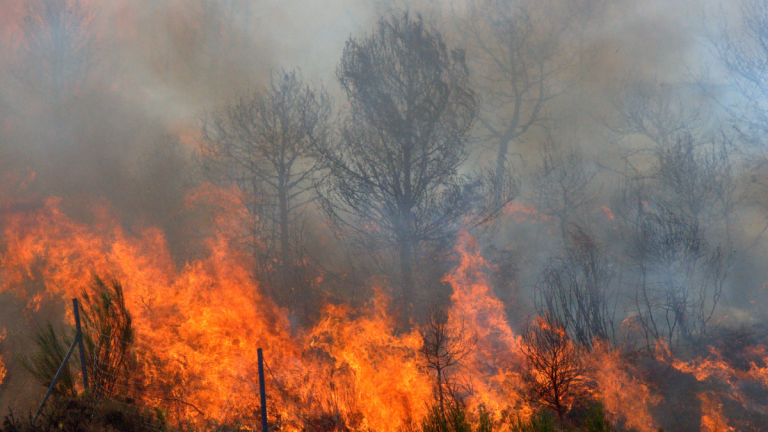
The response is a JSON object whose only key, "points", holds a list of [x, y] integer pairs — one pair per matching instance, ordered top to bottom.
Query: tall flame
{"points": [[198, 327], [494, 366], [387, 377], [624, 396], [712, 418]]}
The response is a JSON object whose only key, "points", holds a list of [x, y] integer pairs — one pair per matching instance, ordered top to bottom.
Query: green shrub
{"points": [[108, 334], [44, 364], [454, 419], [595, 420], [484, 421], [542, 421]]}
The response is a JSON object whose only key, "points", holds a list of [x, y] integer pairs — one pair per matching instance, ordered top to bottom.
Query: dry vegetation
{"points": [[466, 229]]}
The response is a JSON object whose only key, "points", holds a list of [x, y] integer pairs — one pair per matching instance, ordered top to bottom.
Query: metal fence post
{"points": [[79, 338], [78, 341], [55, 379], [262, 391]]}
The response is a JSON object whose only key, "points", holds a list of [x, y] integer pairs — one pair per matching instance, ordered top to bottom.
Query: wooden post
{"points": [[79, 339], [262, 391]]}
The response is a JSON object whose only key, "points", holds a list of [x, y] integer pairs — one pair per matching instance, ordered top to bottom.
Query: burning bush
{"points": [[108, 334], [444, 348], [3, 370], [556, 373]]}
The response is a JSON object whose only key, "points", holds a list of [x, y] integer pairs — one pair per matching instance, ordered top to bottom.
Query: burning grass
{"points": [[197, 328], [3, 370]]}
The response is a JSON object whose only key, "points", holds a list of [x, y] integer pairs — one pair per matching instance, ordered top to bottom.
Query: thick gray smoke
{"points": [[102, 101]]}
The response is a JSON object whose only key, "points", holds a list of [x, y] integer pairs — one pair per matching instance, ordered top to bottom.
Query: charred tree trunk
{"points": [[264, 142], [501, 166], [407, 237], [285, 252], [406, 270], [443, 348], [440, 396], [558, 401]]}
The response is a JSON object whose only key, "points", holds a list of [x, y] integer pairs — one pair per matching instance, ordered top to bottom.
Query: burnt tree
{"points": [[58, 49], [744, 53], [519, 63], [263, 143], [393, 175], [561, 185], [662, 214], [680, 277], [578, 290], [445, 345], [555, 373]]}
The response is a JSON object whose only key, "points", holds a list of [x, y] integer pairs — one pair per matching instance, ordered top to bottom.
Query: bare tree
{"points": [[58, 48], [744, 52], [517, 59], [656, 111], [678, 126], [263, 143], [693, 164], [691, 170], [394, 174], [696, 179], [561, 185], [660, 215], [680, 278], [577, 290], [444, 348], [555, 372]]}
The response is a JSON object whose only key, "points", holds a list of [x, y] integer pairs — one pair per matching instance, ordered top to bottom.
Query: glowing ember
{"points": [[521, 212], [608, 213], [3, 371]]}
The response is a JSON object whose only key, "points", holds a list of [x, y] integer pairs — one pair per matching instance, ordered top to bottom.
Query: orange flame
{"points": [[521, 212], [608, 213], [203, 322], [199, 325], [494, 366], [3, 370], [714, 370], [387, 379], [624, 396], [712, 418]]}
